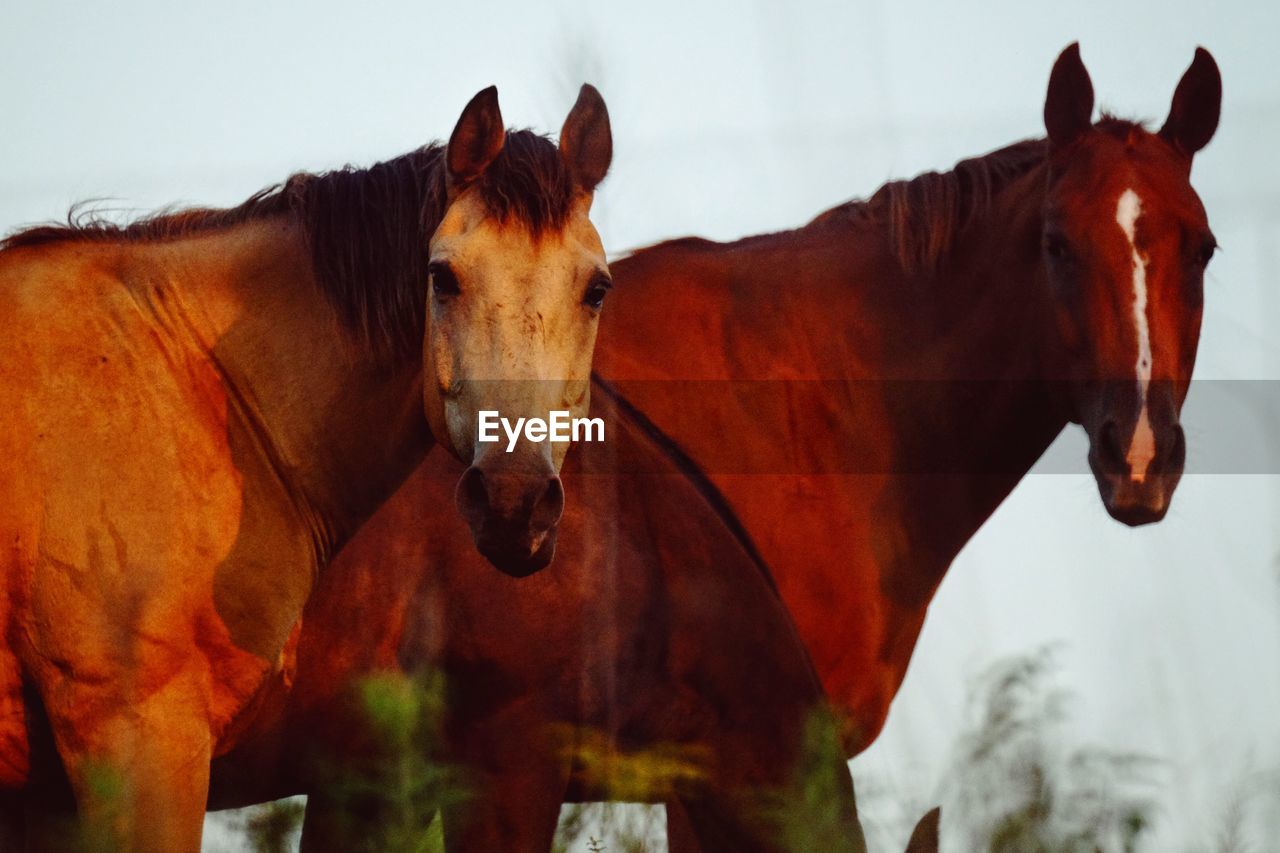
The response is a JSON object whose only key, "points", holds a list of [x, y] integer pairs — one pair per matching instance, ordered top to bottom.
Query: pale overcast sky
{"points": [[736, 118]]}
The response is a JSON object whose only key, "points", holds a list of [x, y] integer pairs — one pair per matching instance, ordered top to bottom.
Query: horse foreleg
{"points": [[139, 771], [782, 786], [818, 809], [515, 810], [718, 822], [13, 826], [50, 826], [329, 827], [681, 836]]}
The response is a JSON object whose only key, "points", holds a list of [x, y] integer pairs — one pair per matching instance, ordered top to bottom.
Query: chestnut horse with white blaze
{"points": [[867, 389], [199, 409]]}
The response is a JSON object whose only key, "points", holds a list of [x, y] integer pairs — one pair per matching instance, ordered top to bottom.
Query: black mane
{"points": [[367, 229]]}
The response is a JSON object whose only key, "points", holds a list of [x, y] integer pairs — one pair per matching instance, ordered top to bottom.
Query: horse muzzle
{"points": [[1138, 494], [513, 515]]}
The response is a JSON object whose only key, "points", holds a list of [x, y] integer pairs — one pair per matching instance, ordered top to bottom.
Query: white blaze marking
{"points": [[1142, 447]]}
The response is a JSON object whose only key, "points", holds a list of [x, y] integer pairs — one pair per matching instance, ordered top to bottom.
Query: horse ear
{"points": [[1197, 102], [1068, 107], [476, 140], [586, 141], [924, 838]]}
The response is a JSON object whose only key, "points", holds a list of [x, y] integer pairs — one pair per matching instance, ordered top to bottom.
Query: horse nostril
{"points": [[1109, 449], [472, 495], [515, 502], [549, 506]]}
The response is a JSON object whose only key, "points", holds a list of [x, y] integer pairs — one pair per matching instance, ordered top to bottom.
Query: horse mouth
{"points": [[1137, 493], [1134, 503], [1136, 515], [520, 557]]}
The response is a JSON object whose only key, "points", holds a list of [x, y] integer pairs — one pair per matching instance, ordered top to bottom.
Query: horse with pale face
{"points": [[862, 394], [199, 409]]}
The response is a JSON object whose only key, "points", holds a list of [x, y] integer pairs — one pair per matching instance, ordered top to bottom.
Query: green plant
{"points": [[1018, 786], [389, 801], [809, 810], [273, 827]]}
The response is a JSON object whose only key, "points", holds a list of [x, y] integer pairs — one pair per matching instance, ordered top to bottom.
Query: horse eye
{"points": [[1055, 246], [1207, 249], [443, 281], [596, 292]]}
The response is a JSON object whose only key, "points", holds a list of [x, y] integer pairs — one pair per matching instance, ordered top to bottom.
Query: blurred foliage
{"points": [[646, 775], [1016, 782], [1017, 788], [110, 790], [388, 802], [811, 812], [1250, 813], [805, 814], [274, 827], [270, 828]]}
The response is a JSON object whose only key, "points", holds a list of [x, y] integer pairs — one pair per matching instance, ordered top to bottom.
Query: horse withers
{"points": [[197, 410]]}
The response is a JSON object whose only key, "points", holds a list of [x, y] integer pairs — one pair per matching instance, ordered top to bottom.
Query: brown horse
{"points": [[921, 350], [866, 390], [198, 410], [633, 639]]}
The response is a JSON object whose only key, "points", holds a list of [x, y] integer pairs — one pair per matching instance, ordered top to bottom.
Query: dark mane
{"points": [[1120, 128], [529, 183], [925, 214], [366, 229]]}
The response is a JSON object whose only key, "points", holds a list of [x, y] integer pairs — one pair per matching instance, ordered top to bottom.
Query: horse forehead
{"points": [[1089, 186], [1091, 189], [463, 215], [1153, 217], [493, 245]]}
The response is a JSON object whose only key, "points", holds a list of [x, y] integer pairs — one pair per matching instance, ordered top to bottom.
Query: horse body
{"points": [[865, 391], [833, 453], [637, 650]]}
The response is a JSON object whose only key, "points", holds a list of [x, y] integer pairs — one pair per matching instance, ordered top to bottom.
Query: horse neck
{"points": [[307, 402], [991, 412]]}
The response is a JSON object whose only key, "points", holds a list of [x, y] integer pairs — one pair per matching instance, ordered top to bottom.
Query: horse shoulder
{"points": [[156, 545]]}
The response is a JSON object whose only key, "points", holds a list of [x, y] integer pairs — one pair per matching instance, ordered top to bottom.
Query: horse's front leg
{"points": [[139, 767], [779, 781], [514, 809], [727, 818], [13, 824], [333, 825], [681, 836]]}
